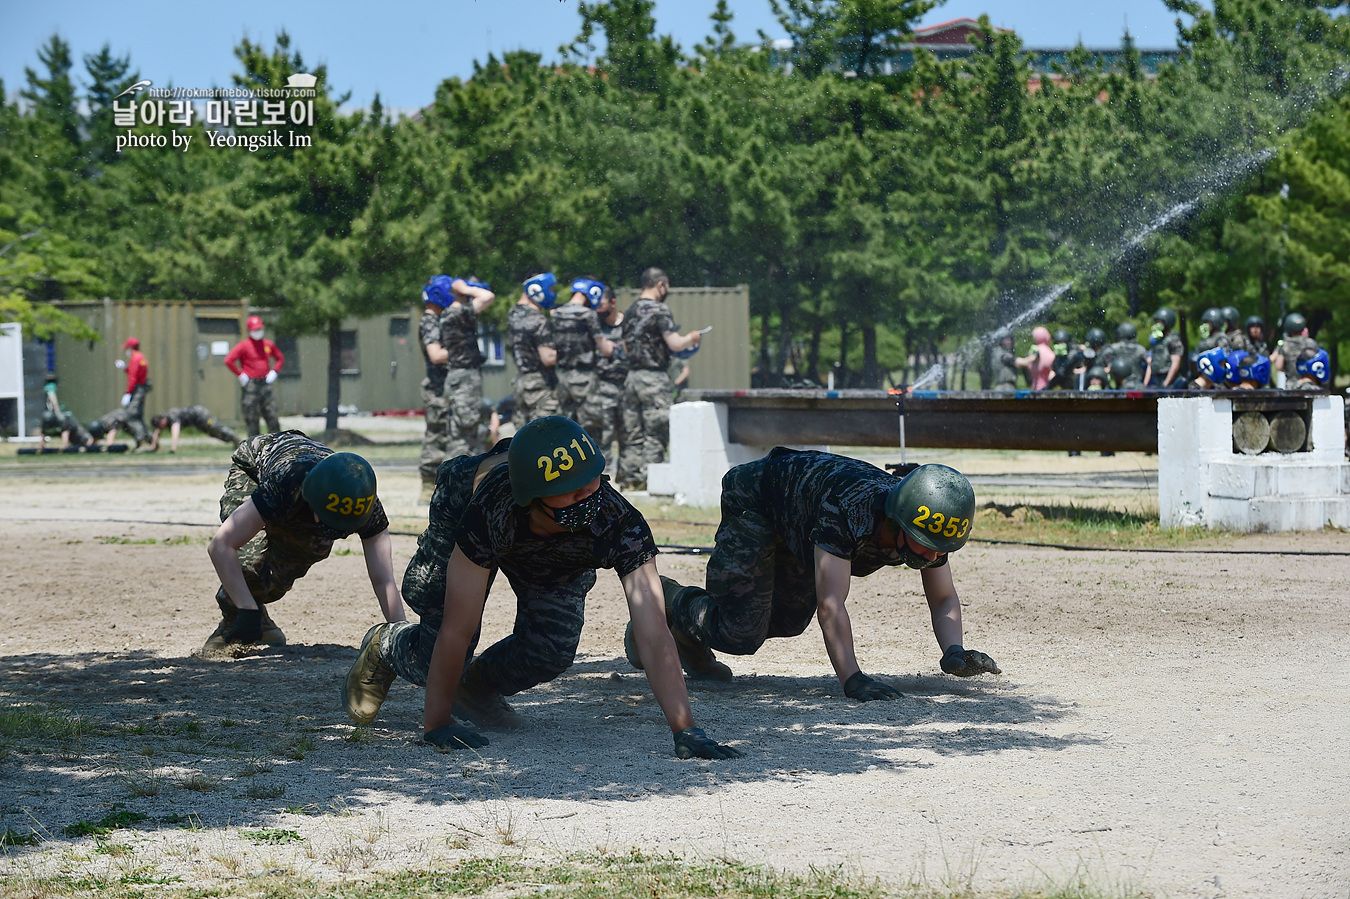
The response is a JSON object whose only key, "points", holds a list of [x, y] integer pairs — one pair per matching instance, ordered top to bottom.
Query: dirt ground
{"points": [[1165, 722]]}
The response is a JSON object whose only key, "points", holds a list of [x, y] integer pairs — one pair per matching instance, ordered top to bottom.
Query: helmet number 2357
{"points": [[565, 460], [345, 505]]}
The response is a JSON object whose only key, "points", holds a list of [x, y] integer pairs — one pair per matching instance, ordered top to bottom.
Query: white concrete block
{"points": [[1215, 421], [1327, 434], [700, 454], [1181, 468], [661, 479], [1307, 479], [1232, 480], [1337, 511], [1282, 513], [1224, 514]]}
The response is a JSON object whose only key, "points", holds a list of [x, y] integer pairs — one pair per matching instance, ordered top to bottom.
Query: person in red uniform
{"points": [[255, 362], [138, 385]]}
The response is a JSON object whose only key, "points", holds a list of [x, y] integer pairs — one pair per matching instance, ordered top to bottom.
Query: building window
{"points": [[399, 326], [491, 346], [290, 348], [350, 358]]}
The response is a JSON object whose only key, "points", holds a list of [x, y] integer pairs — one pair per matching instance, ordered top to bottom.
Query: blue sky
{"points": [[404, 49]]}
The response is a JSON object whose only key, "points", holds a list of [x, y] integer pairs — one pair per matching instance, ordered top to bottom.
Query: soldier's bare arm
{"points": [[480, 297], [677, 342], [437, 354], [548, 356], [174, 430], [241, 527], [379, 552], [832, 582], [465, 593], [943, 605], [647, 609]]}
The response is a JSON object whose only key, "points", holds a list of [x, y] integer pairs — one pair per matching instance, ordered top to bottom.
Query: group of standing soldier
{"points": [[1231, 353], [575, 354]]}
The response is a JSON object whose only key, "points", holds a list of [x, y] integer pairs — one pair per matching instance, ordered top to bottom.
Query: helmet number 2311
{"points": [[565, 460], [937, 523]]}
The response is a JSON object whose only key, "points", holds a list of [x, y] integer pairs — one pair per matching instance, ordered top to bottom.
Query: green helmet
{"points": [[1167, 317], [1214, 317], [1231, 317], [1254, 321], [1294, 324], [1127, 331], [1061, 336], [1095, 337], [1122, 368], [1096, 372], [51, 423], [551, 456], [341, 491], [935, 506]]}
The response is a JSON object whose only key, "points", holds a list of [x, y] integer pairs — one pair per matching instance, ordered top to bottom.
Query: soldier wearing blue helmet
{"points": [[580, 343], [533, 349], [1211, 369], [1314, 369], [463, 390]]}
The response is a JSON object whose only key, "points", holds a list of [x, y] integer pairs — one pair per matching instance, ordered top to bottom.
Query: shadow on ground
{"points": [[239, 739]]}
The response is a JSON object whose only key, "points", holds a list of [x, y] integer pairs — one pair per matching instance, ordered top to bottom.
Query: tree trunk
{"points": [[784, 336], [764, 345], [813, 355], [871, 372], [334, 376], [841, 376]]}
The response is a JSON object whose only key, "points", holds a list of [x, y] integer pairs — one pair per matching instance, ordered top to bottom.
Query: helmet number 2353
{"points": [[565, 460], [938, 523]]}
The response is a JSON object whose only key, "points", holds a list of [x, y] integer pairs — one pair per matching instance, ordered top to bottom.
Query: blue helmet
{"points": [[437, 290], [539, 290], [594, 291], [685, 354], [1235, 358], [1213, 364], [1318, 367], [1258, 371]]}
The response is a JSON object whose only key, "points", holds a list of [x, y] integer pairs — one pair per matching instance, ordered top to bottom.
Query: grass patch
{"points": [[1076, 524], [23, 723], [299, 747], [198, 783], [260, 790], [117, 820], [271, 836], [12, 837], [587, 877]]}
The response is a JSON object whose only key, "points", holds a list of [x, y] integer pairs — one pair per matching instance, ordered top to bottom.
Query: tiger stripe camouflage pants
{"points": [[756, 588], [548, 622]]}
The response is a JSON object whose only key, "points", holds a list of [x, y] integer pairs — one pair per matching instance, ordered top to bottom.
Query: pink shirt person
{"points": [[1039, 361]]}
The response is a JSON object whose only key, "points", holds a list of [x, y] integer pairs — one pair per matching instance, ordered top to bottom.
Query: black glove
{"points": [[247, 627], [968, 662], [864, 689], [453, 736], [692, 742]]}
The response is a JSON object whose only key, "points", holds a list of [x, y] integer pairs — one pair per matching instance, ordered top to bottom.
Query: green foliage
{"points": [[876, 217], [117, 820]]}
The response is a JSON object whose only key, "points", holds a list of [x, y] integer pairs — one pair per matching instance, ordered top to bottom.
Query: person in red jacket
{"points": [[255, 362], [138, 385]]}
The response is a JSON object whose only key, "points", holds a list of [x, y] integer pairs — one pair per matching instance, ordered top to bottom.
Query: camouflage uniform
{"points": [[575, 328], [528, 329], [1214, 340], [1168, 345], [1290, 348], [1132, 350], [1004, 365], [463, 378], [647, 389], [433, 400], [259, 403], [136, 414], [200, 417], [56, 419], [116, 420], [606, 422], [270, 469], [775, 512], [549, 575]]}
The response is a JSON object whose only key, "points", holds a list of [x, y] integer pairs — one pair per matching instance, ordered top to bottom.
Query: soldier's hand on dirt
{"points": [[271, 377], [243, 379], [247, 627], [968, 662], [865, 689], [455, 736], [692, 743]]}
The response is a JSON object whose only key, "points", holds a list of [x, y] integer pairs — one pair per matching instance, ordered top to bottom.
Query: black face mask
{"points": [[577, 516], [913, 559]]}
